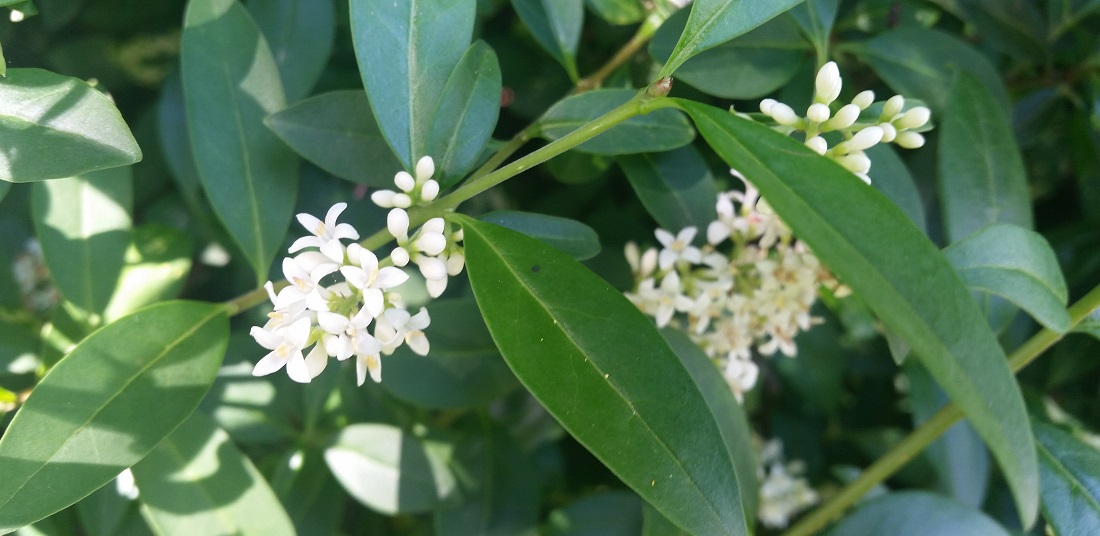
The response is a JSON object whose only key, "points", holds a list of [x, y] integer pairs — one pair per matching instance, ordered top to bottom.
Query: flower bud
{"points": [[827, 85], [864, 99], [766, 106], [892, 107], [818, 113], [783, 114], [845, 117], [915, 117], [888, 132], [864, 139], [909, 140], [818, 144], [855, 162], [425, 168], [404, 181], [430, 191], [383, 198], [401, 200], [397, 222], [434, 225], [457, 235], [431, 243], [399, 256], [455, 262], [649, 262], [432, 268], [435, 290]]}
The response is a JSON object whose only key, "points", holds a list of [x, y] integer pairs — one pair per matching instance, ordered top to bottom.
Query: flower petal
{"points": [[390, 277], [316, 361], [270, 363], [296, 368]]}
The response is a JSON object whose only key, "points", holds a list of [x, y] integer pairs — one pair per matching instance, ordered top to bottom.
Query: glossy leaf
{"points": [[618, 12], [816, 18], [713, 22], [556, 25], [1016, 28], [300, 34], [921, 63], [750, 66], [405, 71], [231, 82], [466, 114], [54, 126], [661, 130], [337, 132], [175, 143], [981, 172], [890, 176], [676, 187], [83, 224], [569, 236], [158, 262], [1018, 265], [891, 266], [1090, 324], [575, 343], [463, 368], [101, 409], [389, 470], [1070, 472], [197, 481], [501, 497], [915, 513], [655, 524]]}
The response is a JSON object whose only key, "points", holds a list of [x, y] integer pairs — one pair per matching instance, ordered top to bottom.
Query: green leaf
{"points": [[618, 12], [816, 19], [713, 22], [556, 25], [1016, 28], [300, 34], [407, 50], [921, 63], [750, 66], [3, 72], [231, 82], [466, 114], [53, 126], [661, 130], [336, 131], [175, 143], [981, 172], [890, 176], [4, 187], [676, 187], [83, 224], [568, 236], [158, 262], [891, 265], [1018, 265], [1090, 324], [18, 348], [601, 368], [463, 369], [103, 407], [727, 412], [389, 470], [1070, 472], [197, 481], [501, 497], [104, 512], [608, 513], [915, 513], [655, 524]]}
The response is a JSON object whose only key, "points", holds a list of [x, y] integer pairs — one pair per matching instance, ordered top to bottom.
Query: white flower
{"points": [[326, 234], [677, 248], [366, 276], [662, 302], [396, 326], [342, 334], [286, 351], [367, 358]]}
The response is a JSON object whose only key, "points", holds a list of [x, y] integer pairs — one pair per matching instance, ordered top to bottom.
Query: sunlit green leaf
{"points": [[556, 25], [300, 34], [231, 82], [54, 126], [662, 130], [676, 187], [83, 224], [569, 236], [157, 264], [891, 266], [602, 369], [102, 408], [1070, 472], [197, 481], [915, 513]]}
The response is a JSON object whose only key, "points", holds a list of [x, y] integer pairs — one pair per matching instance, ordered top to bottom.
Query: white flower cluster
{"points": [[893, 124], [33, 278], [336, 292], [730, 300], [783, 492]]}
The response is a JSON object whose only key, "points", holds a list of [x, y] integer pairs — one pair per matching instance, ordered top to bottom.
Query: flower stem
{"points": [[641, 37], [926, 433]]}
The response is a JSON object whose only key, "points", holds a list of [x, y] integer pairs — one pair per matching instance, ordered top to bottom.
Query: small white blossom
{"points": [[326, 234], [677, 248]]}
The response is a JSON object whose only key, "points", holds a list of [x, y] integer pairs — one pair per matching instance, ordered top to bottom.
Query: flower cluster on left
{"points": [[342, 300]]}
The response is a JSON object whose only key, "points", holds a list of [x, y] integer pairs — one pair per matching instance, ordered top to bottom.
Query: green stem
{"points": [[641, 37], [926, 433]]}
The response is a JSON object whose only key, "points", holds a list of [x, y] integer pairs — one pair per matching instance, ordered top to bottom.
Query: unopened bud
{"points": [[827, 85], [864, 99], [766, 106], [892, 107], [818, 113], [783, 114], [845, 117], [915, 117], [888, 132], [864, 139], [909, 140], [818, 144], [855, 162], [425, 168], [404, 181], [430, 191], [401, 200]]}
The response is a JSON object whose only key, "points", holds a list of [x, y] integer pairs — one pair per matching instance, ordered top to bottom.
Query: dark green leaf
{"points": [[618, 11], [816, 18], [713, 22], [556, 25], [1016, 28], [300, 34], [407, 50], [921, 63], [750, 66], [3, 72], [231, 83], [466, 115], [53, 126], [662, 130], [336, 131], [175, 143], [981, 172], [890, 176], [4, 185], [676, 187], [83, 224], [569, 236], [158, 262], [891, 265], [1018, 265], [1090, 324], [18, 348], [601, 368], [463, 369], [102, 408], [389, 470], [1070, 472], [197, 481], [501, 497], [314, 499], [103, 512], [609, 513], [915, 513], [655, 524]]}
